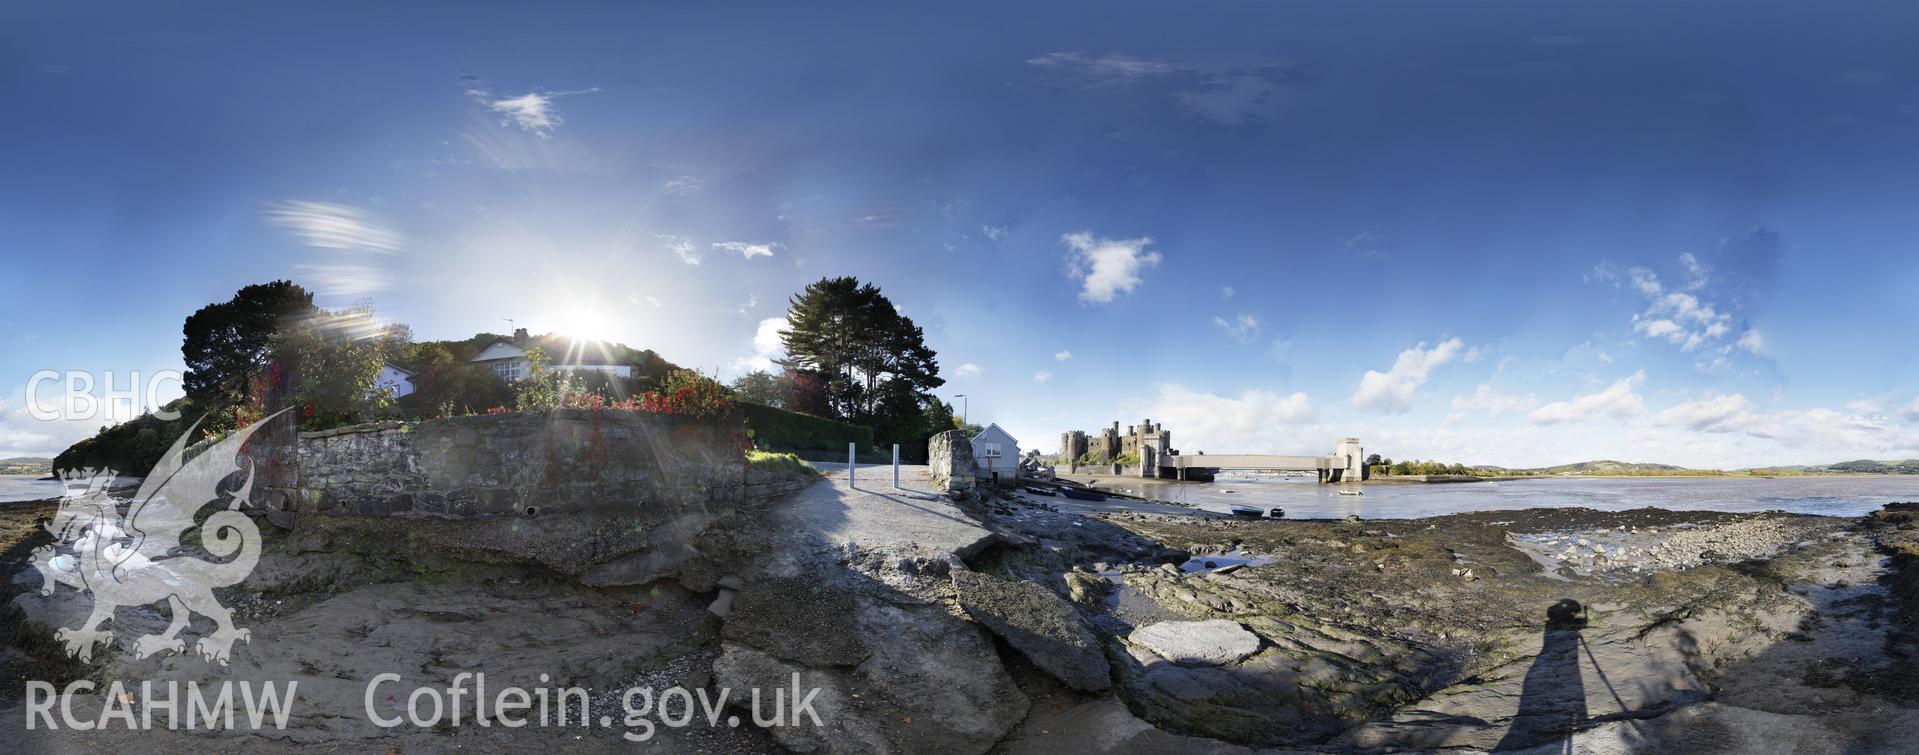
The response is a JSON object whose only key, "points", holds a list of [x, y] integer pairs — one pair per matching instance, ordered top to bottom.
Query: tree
{"points": [[227, 346], [874, 359], [335, 360], [446, 386], [759, 387], [803, 391], [1372, 460]]}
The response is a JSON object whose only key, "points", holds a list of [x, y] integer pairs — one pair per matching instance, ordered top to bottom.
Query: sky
{"points": [[1505, 233]]}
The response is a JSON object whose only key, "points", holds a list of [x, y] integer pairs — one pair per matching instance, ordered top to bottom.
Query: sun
{"points": [[584, 324]]}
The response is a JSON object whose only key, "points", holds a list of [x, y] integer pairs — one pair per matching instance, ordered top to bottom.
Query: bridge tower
{"points": [[1354, 456]]}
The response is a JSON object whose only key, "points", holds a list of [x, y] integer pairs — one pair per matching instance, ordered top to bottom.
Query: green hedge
{"points": [[781, 430]]}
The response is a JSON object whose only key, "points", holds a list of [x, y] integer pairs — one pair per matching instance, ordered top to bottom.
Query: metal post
{"points": [[852, 466], [896, 466]]}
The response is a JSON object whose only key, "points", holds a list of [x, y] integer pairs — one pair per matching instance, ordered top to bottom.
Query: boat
{"points": [[1037, 490], [1350, 492], [1083, 495], [1252, 511], [1277, 513]]}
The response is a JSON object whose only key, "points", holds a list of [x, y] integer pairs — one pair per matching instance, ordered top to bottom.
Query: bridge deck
{"points": [[1247, 461]]}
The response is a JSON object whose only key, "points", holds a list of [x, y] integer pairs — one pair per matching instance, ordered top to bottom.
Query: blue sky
{"points": [[1491, 232]]}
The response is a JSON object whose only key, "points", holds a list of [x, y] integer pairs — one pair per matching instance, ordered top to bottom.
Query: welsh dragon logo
{"points": [[136, 559]]}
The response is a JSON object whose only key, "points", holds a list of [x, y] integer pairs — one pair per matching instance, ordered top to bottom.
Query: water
{"points": [[27, 488], [1306, 499]]}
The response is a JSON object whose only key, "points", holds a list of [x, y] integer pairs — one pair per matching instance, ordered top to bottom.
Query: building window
{"points": [[508, 370], [991, 450]]}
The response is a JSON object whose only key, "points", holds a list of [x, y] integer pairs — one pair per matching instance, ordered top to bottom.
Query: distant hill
{"points": [[25, 465], [1857, 466], [1609, 467]]}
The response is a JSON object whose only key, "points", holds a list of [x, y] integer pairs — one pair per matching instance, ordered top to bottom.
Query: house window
{"points": [[508, 370], [992, 449]]}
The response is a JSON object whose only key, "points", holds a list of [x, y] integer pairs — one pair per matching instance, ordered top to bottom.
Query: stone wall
{"points": [[949, 459], [520, 464]]}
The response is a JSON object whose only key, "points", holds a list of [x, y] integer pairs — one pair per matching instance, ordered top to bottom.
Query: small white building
{"points": [[509, 361], [397, 382], [996, 456]]}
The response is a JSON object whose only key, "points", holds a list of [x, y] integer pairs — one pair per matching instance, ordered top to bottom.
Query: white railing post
{"points": [[852, 466], [896, 466]]}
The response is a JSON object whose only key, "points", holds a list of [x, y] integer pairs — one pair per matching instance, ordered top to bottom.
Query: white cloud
{"points": [[1108, 68], [532, 111], [683, 186], [332, 226], [993, 232], [681, 247], [748, 250], [1108, 267], [1697, 274], [343, 282], [1226, 292], [752, 300], [1683, 319], [1242, 328], [1753, 342], [767, 346], [1062, 356], [967, 370], [1042, 376], [1392, 391], [1489, 399], [1617, 400], [1910, 412], [1716, 413], [1255, 421]]}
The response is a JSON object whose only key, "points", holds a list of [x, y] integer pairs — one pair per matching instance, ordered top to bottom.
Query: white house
{"points": [[509, 361], [397, 381], [996, 456]]}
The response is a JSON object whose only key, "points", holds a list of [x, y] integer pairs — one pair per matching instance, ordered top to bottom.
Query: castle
{"points": [[1110, 444]]}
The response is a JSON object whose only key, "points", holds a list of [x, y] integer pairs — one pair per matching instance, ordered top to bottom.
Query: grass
{"points": [[779, 461]]}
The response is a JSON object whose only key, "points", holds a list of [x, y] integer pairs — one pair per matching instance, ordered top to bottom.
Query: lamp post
{"points": [[964, 403]]}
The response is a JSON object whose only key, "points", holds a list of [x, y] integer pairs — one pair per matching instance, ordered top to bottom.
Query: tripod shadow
{"points": [[1552, 698]]}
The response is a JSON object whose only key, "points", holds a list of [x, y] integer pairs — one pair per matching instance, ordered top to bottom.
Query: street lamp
{"points": [[964, 403]]}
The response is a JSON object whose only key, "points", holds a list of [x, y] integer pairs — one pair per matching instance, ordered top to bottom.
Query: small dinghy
{"points": [[1037, 490], [1351, 492], [1082, 495], [1252, 511], [1277, 513]]}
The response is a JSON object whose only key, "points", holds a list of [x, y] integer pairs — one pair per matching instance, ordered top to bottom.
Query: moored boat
{"points": [[1037, 490], [1083, 495], [1252, 511]]}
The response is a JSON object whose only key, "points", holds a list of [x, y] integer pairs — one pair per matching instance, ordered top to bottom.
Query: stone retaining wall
{"points": [[523, 464]]}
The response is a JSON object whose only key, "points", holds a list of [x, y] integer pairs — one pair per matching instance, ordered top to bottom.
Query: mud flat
{"points": [[1013, 623]]}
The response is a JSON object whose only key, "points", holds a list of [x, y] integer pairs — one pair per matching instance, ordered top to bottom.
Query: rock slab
{"points": [[1039, 624], [1215, 642]]}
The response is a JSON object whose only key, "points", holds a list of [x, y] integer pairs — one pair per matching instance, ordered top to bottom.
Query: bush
{"points": [[781, 430], [780, 461]]}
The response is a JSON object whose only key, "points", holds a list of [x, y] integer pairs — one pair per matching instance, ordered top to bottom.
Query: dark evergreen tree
{"points": [[229, 344]]}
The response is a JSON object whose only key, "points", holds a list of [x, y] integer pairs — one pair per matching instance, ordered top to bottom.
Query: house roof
{"points": [[995, 428]]}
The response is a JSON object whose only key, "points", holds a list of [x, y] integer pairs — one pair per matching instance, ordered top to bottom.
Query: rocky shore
{"points": [[1004, 623]]}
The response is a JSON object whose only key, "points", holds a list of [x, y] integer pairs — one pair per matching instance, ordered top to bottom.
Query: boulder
{"points": [[949, 459], [1039, 624], [1214, 642], [930, 682]]}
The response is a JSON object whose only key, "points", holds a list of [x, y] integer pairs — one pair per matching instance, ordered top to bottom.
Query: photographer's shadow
{"points": [[1552, 699]]}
